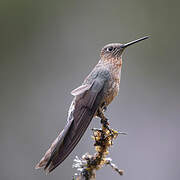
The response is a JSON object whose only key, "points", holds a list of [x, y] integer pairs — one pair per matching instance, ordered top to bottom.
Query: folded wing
{"points": [[82, 111]]}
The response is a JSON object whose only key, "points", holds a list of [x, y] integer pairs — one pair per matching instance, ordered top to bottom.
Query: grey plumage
{"points": [[82, 110]]}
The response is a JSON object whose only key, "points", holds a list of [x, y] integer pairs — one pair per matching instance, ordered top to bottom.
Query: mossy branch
{"points": [[89, 164]]}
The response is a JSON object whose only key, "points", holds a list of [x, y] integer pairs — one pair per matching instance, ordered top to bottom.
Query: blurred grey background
{"points": [[48, 47]]}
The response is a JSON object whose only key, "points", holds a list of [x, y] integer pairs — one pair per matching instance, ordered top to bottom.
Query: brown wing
{"points": [[85, 107]]}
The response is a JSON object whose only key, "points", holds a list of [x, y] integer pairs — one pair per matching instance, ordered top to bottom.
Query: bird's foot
{"points": [[104, 107], [100, 114], [104, 120], [105, 123]]}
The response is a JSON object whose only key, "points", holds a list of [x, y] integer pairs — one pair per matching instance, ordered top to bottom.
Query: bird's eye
{"points": [[109, 49]]}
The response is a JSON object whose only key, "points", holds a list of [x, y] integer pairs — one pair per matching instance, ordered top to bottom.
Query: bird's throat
{"points": [[114, 65]]}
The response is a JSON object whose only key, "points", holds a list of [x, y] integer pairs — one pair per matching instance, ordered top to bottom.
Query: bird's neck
{"points": [[113, 65]]}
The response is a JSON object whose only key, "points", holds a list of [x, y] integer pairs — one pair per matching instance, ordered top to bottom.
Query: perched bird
{"points": [[93, 96]]}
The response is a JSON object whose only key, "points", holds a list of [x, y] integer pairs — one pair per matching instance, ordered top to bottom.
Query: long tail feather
{"points": [[85, 107]]}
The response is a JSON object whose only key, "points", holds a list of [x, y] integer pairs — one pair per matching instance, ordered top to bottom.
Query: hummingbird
{"points": [[90, 99]]}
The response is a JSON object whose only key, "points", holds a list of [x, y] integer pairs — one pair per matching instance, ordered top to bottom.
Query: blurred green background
{"points": [[48, 47]]}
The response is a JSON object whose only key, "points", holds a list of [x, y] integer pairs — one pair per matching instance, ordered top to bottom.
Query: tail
{"points": [[83, 110], [64, 143], [53, 148]]}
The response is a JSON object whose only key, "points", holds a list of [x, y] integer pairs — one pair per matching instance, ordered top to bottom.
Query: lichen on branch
{"points": [[89, 164]]}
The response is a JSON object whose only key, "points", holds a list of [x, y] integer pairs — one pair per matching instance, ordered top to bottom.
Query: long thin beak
{"points": [[135, 41]]}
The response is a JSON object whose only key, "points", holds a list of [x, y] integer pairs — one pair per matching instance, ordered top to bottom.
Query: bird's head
{"points": [[115, 50]]}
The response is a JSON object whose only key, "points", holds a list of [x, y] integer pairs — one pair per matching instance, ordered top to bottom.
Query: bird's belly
{"points": [[112, 92], [109, 96]]}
